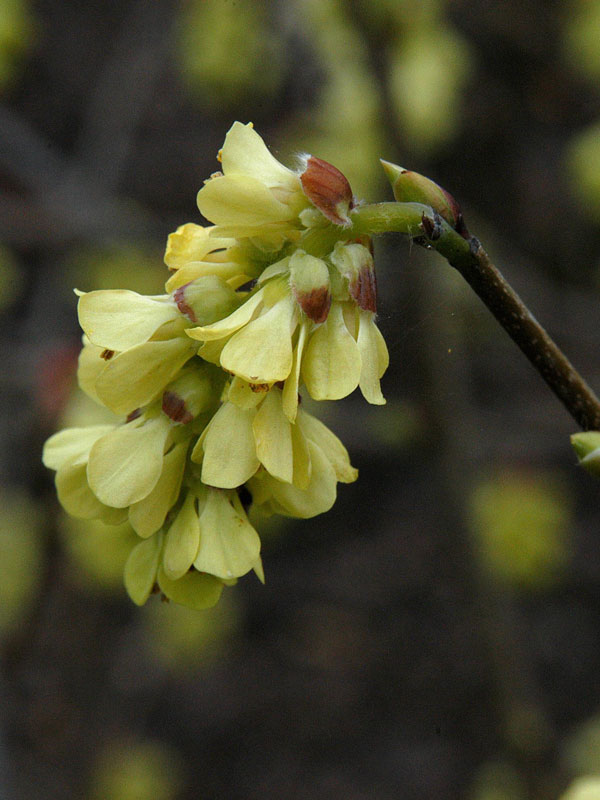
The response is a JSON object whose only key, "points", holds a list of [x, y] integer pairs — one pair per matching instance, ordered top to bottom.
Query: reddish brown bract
{"points": [[328, 189], [459, 222], [364, 289], [179, 297], [315, 304], [174, 408]]}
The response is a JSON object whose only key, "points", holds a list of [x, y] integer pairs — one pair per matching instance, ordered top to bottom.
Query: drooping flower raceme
{"points": [[204, 381]]}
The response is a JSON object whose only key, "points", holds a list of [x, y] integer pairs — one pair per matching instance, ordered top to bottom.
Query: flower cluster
{"points": [[204, 380]]}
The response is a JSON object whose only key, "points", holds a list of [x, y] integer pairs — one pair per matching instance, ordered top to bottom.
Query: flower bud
{"points": [[411, 187], [327, 189], [190, 242], [355, 262], [309, 279], [205, 300], [188, 395], [587, 448]]}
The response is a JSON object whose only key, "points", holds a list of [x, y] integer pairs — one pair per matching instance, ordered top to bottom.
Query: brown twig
{"points": [[473, 263], [520, 324]]}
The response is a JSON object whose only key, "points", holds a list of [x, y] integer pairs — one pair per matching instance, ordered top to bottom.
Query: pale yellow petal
{"points": [[244, 152], [233, 200], [272, 235], [191, 242], [278, 268], [199, 269], [118, 319], [224, 327], [369, 345], [211, 351], [261, 352], [383, 355], [331, 363], [89, 366], [134, 378], [291, 386], [246, 395], [273, 437], [72, 444], [331, 446], [229, 450], [197, 455], [302, 463], [125, 464], [74, 493], [77, 498], [317, 498], [148, 515], [181, 542], [229, 545], [141, 569], [194, 590]]}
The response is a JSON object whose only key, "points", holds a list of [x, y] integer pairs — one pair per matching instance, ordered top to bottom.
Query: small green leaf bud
{"points": [[411, 187], [587, 448]]}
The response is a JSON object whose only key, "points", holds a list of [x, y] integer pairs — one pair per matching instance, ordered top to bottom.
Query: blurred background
{"points": [[437, 634]]}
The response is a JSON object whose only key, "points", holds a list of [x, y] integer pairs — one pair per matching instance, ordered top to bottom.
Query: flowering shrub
{"points": [[278, 294], [204, 380]]}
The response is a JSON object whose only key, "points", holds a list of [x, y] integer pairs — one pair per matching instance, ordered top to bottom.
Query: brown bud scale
{"points": [[327, 189], [459, 222], [364, 289], [315, 304], [184, 308], [107, 354], [175, 408], [137, 412]]}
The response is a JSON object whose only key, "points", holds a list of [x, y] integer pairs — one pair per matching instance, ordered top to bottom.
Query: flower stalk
{"points": [[471, 260]]}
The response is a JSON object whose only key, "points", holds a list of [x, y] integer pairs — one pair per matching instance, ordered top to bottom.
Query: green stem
{"points": [[473, 263]]}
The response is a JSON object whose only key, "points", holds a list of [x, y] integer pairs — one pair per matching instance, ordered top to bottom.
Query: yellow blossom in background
{"points": [[587, 788]]}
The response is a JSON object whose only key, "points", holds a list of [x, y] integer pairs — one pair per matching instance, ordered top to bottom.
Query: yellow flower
{"points": [[255, 196], [192, 252], [308, 318], [136, 345], [203, 438], [67, 452], [326, 462], [138, 464], [297, 465], [113, 466], [211, 532], [144, 574]]}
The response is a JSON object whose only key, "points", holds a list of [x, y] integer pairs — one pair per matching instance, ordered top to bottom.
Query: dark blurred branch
{"points": [[123, 92], [25, 155], [77, 197], [59, 207]]}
